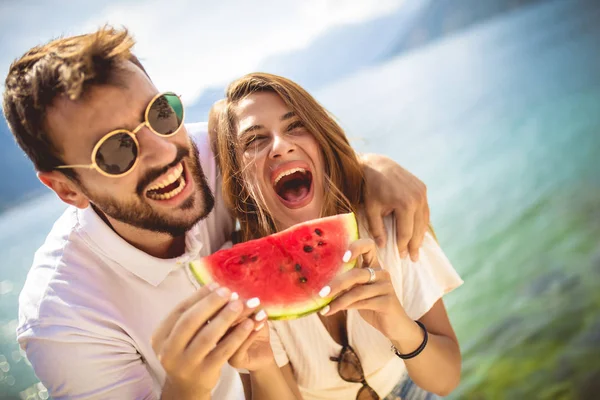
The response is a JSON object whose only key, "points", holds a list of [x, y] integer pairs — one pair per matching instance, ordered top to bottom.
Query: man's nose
{"points": [[155, 151]]}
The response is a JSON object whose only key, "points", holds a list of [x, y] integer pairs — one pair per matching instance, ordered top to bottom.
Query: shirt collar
{"points": [[112, 246]]}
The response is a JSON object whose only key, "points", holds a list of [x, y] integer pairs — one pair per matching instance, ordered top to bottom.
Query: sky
{"points": [[186, 45]]}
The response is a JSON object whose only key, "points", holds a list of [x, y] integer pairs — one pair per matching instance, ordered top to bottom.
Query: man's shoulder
{"points": [[198, 131], [56, 274]]}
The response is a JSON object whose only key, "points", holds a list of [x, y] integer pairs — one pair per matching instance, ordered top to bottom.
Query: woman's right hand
{"points": [[196, 340]]}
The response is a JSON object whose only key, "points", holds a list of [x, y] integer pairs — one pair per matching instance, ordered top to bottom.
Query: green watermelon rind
{"points": [[203, 276]]}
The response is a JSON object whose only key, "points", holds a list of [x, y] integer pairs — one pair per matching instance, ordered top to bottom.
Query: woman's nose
{"points": [[281, 146]]}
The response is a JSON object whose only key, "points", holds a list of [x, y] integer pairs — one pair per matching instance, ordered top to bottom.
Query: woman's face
{"points": [[281, 161]]}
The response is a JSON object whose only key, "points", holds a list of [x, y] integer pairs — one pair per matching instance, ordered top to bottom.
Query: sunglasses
{"points": [[117, 153], [350, 370]]}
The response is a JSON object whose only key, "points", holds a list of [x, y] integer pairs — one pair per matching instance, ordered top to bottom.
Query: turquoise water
{"points": [[503, 124]]}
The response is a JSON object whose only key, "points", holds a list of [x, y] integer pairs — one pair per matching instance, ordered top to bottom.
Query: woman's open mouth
{"points": [[294, 187]]}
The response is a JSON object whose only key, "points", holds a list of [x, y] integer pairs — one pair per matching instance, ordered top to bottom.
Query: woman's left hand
{"points": [[375, 299], [255, 353]]}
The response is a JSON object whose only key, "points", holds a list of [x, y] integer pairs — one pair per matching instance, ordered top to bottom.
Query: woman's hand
{"points": [[391, 188], [375, 299], [197, 338], [255, 353]]}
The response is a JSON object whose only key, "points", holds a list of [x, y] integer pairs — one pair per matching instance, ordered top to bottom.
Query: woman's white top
{"points": [[307, 346]]}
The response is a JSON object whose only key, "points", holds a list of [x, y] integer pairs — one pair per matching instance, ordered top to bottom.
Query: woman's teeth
{"points": [[288, 172]]}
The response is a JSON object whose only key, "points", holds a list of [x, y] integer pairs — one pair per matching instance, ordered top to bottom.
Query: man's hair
{"points": [[63, 67], [345, 184]]}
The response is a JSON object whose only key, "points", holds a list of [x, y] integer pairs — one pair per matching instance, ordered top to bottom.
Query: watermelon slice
{"points": [[285, 270]]}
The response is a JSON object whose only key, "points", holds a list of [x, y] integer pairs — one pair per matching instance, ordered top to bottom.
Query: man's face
{"points": [[166, 191]]}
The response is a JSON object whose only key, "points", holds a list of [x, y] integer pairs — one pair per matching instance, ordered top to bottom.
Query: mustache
{"points": [[182, 153]]}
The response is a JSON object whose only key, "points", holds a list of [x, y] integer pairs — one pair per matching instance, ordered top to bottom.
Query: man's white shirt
{"points": [[91, 302]]}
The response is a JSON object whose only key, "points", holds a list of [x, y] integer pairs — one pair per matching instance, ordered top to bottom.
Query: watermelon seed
{"points": [[319, 232], [320, 243], [308, 248], [253, 258], [243, 259], [298, 267], [303, 279]]}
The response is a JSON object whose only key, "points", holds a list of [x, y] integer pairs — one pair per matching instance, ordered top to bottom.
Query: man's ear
{"points": [[64, 188]]}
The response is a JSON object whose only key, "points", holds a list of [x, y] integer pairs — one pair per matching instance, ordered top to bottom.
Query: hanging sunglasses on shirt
{"points": [[117, 153], [350, 369]]}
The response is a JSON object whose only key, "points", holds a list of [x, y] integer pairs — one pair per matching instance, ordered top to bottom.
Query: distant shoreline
{"points": [[26, 197]]}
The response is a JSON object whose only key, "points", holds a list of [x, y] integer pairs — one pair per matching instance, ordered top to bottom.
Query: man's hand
{"points": [[391, 188], [197, 339]]}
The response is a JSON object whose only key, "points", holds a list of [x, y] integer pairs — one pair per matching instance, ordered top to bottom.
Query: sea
{"points": [[502, 122]]}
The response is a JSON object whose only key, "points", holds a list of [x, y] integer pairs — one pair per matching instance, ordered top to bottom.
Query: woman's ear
{"points": [[65, 188]]}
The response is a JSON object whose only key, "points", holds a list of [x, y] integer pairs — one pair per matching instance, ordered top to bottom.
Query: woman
{"points": [[285, 160]]}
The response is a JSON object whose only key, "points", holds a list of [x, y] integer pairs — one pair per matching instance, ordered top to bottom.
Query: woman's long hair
{"points": [[344, 179]]}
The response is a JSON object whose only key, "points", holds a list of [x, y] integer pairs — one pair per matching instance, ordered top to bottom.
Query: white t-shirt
{"points": [[92, 301], [306, 344]]}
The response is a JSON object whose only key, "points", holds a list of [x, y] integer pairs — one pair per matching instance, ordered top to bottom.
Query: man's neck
{"points": [[157, 244]]}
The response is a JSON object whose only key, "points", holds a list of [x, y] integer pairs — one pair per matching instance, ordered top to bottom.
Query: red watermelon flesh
{"points": [[285, 270]]}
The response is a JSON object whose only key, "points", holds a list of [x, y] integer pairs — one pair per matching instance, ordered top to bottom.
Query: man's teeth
{"points": [[288, 172], [173, 176], [173, 193]]}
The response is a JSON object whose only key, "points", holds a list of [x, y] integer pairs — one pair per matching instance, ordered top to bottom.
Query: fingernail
{"points": [[403, 253], [347, 256], [212, 286], [325, 291], [223, 292], [234, 296], [253, 302], [235, 306], [325, 310], [260, 315], [258, 328]]}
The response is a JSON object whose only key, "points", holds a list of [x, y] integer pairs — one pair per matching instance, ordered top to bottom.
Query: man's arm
{"points": [[392, 189], [73, 363]]}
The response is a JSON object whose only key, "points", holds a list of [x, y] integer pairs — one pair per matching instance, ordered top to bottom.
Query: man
{"points": [[109, 308]]}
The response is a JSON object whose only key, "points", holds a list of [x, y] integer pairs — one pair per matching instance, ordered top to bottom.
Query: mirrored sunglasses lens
{"points": [[166, 114], [117, 154], [350, 368]]}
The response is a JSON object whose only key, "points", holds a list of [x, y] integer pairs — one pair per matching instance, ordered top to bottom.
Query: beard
{"points": [[141, 214]]}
